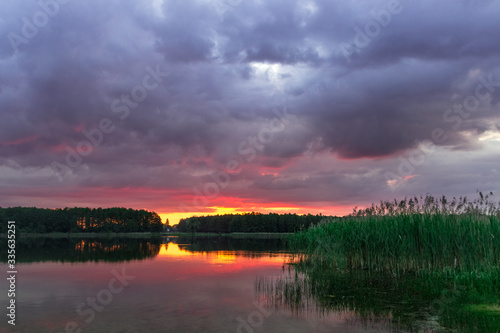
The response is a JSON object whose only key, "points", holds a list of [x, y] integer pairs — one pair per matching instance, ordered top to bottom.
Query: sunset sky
{"points": [[195, 107]]}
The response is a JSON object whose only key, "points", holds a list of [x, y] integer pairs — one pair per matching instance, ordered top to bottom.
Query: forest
{"points": [[40, 220], [248, 222]]}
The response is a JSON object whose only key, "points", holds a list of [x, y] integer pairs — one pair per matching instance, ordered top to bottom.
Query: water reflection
{"points": [[254, 246], [43, 249], [112, 249], [206, 284], [206, 287], [407, 303]]}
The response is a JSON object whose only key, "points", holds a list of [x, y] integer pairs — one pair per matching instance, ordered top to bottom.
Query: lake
{"points": [[172, 284], [162, 285]]}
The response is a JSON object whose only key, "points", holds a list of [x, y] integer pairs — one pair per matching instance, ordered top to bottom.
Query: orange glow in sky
{"points": [[254, 207]]}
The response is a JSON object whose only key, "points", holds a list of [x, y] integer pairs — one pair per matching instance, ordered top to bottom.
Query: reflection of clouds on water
{"points": [[220, 260], [198, 286]]}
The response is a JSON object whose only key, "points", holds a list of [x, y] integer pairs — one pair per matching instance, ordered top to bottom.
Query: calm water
{"points": [[162, 285]]}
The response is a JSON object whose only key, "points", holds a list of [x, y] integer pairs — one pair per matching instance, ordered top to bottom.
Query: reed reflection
{"points": [[363, 299]]}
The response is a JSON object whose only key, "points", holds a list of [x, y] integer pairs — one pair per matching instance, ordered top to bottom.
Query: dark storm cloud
{"points": [[228, 71]]}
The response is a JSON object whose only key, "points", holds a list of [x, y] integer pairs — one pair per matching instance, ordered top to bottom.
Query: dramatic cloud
{"points": [[195, 105]]}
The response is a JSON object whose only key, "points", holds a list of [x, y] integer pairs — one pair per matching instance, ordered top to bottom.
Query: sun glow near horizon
{"points": [[175, 217]]}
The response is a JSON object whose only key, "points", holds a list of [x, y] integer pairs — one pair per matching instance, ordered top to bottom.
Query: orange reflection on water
{"points": [[172, 250], [224, 257]]}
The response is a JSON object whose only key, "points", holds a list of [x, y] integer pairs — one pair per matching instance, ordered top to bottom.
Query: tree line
{"points": [[41, 220], [248, 222]]}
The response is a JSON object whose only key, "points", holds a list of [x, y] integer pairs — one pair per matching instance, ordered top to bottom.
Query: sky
{"points": [[197, 107]]}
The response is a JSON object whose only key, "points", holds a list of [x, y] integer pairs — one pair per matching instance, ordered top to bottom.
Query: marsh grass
{"points": [[430, 240], [401, 256]]}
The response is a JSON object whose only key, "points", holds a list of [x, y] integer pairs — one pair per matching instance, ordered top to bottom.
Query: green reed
{"points": [[454, 240], [401, 260]]}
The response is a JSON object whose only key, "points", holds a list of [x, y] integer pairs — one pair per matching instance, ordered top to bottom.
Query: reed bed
{"points": [[457, 240], [397, 260]]}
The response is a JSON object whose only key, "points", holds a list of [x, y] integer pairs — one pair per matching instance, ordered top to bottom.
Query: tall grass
{"points": [[431, 205], [457, 240], [420, 264]]}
